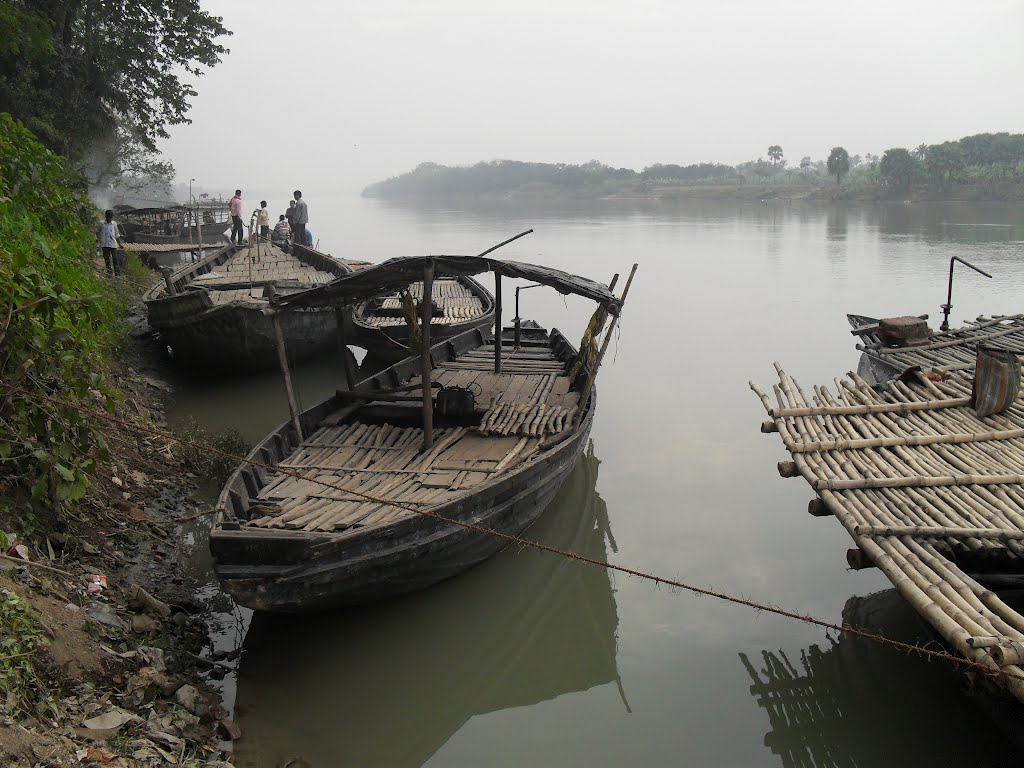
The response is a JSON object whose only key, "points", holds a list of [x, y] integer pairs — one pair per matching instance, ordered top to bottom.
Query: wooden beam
{"points": [[426, 315], [343, 350]]}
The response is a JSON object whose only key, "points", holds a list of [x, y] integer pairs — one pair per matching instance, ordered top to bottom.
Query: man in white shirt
{"points": [[299, 219], [109, 239]]}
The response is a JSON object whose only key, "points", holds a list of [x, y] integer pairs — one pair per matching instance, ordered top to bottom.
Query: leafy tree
{"points": [[75, 71], [775, 153], [805, 161], [945, 162], [838, 163], [898, 168]]}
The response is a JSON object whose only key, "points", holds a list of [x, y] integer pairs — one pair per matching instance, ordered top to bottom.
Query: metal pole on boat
{"points": [[426, 315], [497, 322], [604, 348], [282, 359]]}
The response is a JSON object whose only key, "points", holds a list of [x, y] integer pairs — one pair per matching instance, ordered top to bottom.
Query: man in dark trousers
{"points": [[235, 208], [299, 219], [109, 239]]}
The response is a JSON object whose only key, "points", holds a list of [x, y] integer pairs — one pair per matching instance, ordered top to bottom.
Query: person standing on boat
{"points": [[235, 208], [290, 215], [263, 219], [299, 219], [109, 239]]}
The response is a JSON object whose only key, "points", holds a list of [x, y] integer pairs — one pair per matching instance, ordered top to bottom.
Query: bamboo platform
{"points": [[268, 264], [953, 350], [525, 403], [927, 491]]}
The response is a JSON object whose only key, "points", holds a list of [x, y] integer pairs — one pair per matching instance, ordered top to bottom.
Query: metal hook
{"points": [[949, 293]]}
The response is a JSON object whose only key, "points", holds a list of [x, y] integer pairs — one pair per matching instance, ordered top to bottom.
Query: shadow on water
{"points": [[390, 684], [859, 703]]}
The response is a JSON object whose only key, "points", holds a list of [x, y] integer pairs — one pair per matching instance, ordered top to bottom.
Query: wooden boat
{"points": [[176, 224], [460, 304], [210, 312], [941, 351], [373, 493], [529, 627]]}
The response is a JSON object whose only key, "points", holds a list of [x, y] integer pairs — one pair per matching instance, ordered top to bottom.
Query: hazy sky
{"points": [[329, 96]]}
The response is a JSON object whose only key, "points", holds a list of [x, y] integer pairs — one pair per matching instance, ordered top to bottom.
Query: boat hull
{"points": [[237, 336], [291, 571]]}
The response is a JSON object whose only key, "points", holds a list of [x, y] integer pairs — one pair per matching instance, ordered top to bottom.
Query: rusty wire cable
{"points": [[990, 671]]}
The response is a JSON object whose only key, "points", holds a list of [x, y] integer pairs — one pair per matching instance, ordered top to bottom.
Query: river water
{"points": [[531, 659]]}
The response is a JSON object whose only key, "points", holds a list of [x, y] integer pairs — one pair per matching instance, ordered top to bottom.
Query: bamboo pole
{"points": [[426, 315], [497, 322], [346, 353], [282, 359], [585, 396], [853, 410]]}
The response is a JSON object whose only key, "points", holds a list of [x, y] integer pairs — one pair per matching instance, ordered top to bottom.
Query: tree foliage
{"points": [[73, 71], [775, 153], [838, 163], [898, 168]]}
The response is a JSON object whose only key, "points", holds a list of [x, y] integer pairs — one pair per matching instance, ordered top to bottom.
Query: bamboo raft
{"points": [[943, 351], [928, 492]]}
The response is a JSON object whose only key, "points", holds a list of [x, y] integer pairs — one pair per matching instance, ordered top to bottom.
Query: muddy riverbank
{"points": [[112, 662]]}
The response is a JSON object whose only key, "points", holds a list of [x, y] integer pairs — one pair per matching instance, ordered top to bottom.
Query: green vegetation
{"points": [[100, 82], [838, 163], [980, 167], [56, 326], [21, 637]]}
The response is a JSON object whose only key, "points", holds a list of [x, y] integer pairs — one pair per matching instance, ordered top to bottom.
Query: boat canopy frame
{"points": [[396, 273]]}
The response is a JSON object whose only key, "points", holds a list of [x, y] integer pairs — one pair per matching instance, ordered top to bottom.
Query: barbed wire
{"points": [[988, 670]]}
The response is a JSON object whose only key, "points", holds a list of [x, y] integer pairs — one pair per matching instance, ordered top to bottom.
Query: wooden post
{"points": [[166, 272], [426, 315], [497, 323], [604, 348], [346, 354], [282, 359]]}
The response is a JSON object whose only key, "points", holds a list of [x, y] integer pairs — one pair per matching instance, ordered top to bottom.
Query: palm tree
{"points": [[775, 153], [838, 163]]}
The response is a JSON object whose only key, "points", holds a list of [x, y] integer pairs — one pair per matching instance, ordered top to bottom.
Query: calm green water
{"points": [[532, 660]]}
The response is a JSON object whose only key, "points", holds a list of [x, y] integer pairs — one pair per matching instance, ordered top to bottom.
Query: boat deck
{"points": [[458, 302], [954, 350], [526, 403], [930, 493]]}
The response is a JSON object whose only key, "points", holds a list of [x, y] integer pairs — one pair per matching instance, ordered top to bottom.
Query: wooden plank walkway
{"points": [[386, 462], [927, 491]]}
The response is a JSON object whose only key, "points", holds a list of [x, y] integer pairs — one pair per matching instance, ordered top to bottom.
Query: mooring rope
{"points": [[990, 671]]}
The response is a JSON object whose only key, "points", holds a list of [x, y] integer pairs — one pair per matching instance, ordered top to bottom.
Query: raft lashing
{"points": [[930, 493]]}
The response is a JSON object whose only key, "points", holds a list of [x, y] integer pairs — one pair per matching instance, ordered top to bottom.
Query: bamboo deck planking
{"points": [[385, 462], [926, 489]]}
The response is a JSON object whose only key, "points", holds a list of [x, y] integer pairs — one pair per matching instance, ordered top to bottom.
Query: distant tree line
{"points": [[982, 157]]}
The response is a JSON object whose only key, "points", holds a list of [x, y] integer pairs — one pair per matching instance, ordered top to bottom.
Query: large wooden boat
{"points": [[460, 304], [211, 312], [373, 493], [528, 627]]}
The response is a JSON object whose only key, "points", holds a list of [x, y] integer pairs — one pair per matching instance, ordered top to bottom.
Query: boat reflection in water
{"points": [[389, 684], [860, 703]]}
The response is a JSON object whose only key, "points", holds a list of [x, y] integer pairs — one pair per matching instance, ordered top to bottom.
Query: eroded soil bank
{"points": [[112, 662]]}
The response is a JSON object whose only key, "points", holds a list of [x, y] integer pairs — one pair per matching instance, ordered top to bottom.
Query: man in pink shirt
{"points": [[235, 208]]}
